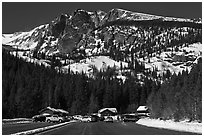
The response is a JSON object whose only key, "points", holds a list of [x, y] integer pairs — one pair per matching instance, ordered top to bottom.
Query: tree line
{"points": [[27, 88], [180, 97]]}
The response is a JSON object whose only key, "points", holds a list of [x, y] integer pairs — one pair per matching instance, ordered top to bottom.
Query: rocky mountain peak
{"points": [[156, 42]]}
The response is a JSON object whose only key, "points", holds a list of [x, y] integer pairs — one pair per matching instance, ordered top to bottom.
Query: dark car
{"points": [[39, 118], [68, 118], [94, 118], [101, 118], [130, 118]]}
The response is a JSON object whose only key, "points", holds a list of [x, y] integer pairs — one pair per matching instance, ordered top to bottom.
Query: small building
{"points": [[53, 111], [106, 112]]}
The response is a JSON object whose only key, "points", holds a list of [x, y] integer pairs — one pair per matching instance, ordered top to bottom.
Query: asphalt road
{"points": [[19, 127], [116, 128]]}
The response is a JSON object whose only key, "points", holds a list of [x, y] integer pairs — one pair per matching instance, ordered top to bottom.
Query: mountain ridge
{"points": [[121, 35]]}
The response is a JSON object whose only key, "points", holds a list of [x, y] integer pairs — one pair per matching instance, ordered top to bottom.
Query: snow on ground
{"points": [[8, 38], [24, 40], [29, 45], [196, 48], [104, 61], [166, 61], [100, 62], [162, 66], [78, 67], [123, 78], [16, 120], [194, 127], [34, 131]]}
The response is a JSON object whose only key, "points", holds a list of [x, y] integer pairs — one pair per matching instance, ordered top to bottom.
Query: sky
{"points": [[24, 16]]}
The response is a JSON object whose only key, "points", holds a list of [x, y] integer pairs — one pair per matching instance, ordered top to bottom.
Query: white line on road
{"points": [[50, 130], [33, 131]]}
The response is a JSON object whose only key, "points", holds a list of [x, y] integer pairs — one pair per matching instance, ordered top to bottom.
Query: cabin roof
{"points": [[54, 110], [114, 110]]}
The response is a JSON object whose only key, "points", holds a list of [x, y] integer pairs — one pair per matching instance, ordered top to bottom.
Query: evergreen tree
{"points": [[108, 96], [93, 104]]}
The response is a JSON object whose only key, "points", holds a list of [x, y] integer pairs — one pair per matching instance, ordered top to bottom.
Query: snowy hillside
{"points": [[25, 40], [175, 61], [100, 63]]}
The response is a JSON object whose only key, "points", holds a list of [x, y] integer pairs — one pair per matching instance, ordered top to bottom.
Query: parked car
{"points": [[143, 111], [77, 117], [40, 118], [54, 118], [68, 118], [94, 118], [101, 118], [130, 118], [86, 119], [109, 119]]}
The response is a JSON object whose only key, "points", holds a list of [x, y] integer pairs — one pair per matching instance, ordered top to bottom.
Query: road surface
{"points": [[19, 127], [116, 128]]}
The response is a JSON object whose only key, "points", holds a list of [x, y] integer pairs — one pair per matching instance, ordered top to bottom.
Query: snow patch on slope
{"points": [[131, 15], [8, 38], [24, 40], [195, 48], [175, 61], [99, 62]]}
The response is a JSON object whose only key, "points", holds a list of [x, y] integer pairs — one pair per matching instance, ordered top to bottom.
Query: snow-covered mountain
{"points": [[121, 14], [25, 40], [84, 41]]}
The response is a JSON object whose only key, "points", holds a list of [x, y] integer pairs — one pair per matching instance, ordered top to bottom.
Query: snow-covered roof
{"points": [[142, 108], [52, 109], [55, 110], [114, 110], [62, 111], [45, 114]]}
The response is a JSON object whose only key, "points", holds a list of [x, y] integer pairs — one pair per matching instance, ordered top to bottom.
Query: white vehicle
{"points": [[143, 111], [77, 117], [54, 118], [86, 119]]}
